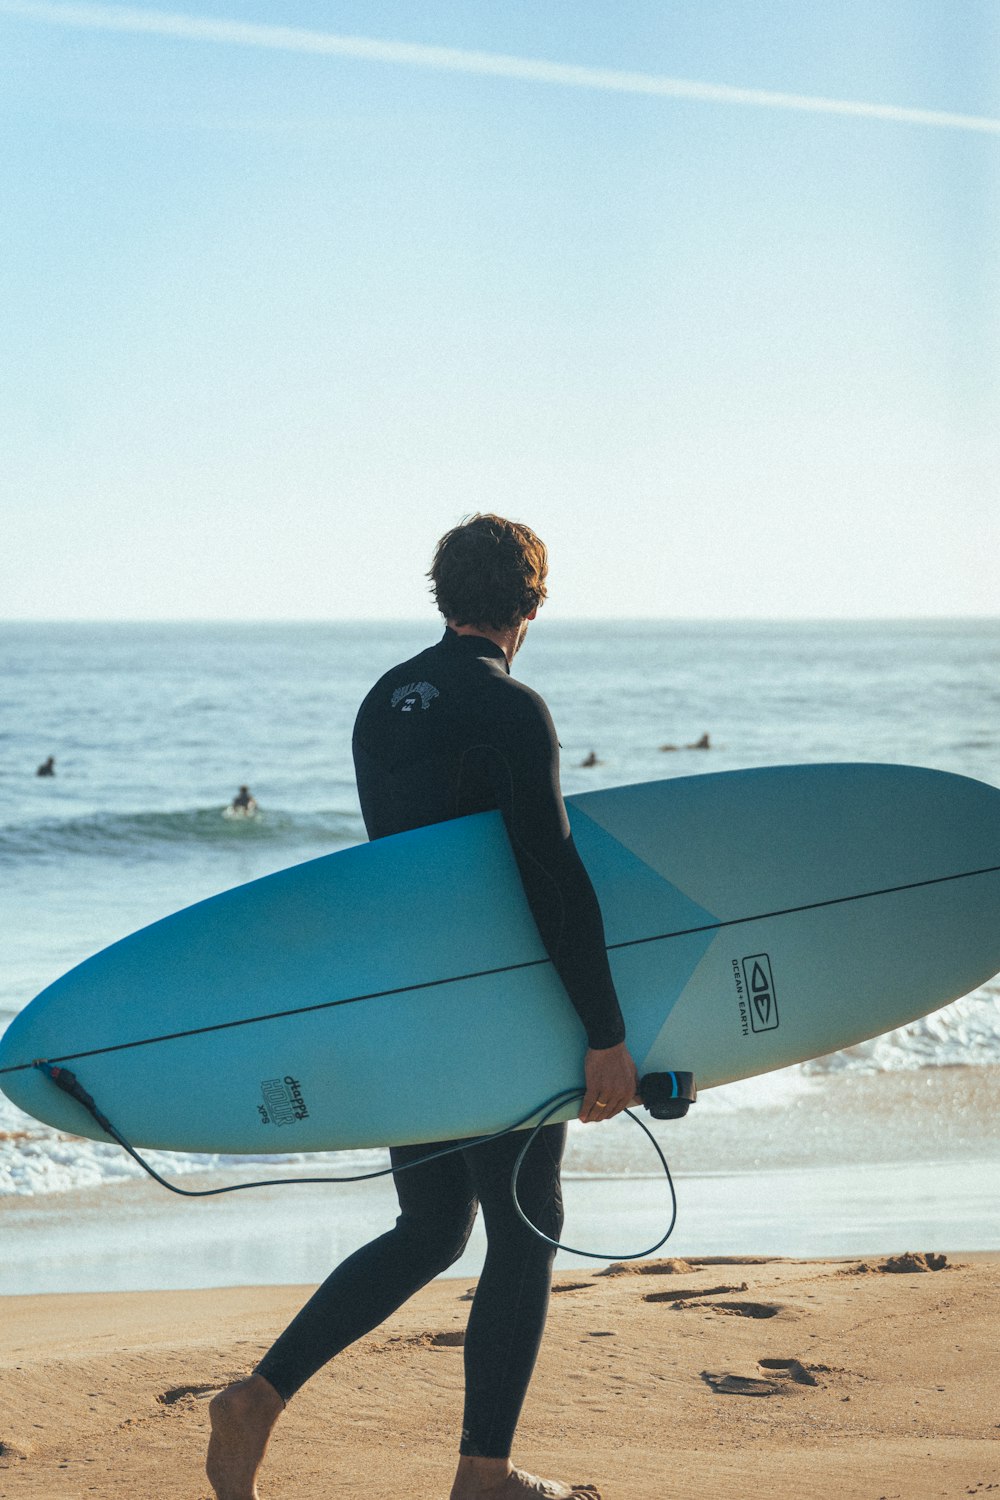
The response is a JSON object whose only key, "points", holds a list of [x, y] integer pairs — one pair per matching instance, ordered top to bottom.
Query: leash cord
{"points": [[70, 1084], [573, 1249]]}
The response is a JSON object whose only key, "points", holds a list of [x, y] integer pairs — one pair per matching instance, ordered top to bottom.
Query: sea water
{"points": [[154, 726]]}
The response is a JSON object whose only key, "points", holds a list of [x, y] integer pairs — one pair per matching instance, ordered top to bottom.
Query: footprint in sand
{"points": [[901, 1265], [666, 1267], [688, 1294], [734, 1309], [746, 1309], [447, 1338], [450, 1338], [788, 1369], [775, 1378], [740, 1385], [178, 1392], [16, 1451]]}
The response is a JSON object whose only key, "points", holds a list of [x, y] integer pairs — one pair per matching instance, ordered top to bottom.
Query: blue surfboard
{"points": [[398, 991]]}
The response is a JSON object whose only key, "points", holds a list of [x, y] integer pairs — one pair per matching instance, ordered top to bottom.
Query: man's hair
{"points": [[489, 571]]}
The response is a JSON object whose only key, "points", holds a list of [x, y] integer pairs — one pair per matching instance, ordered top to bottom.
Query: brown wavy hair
{"points": [[489, 571]]}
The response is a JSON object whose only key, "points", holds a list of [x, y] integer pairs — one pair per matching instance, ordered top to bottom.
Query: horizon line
{"points": [[129, 19], [590, 619]]}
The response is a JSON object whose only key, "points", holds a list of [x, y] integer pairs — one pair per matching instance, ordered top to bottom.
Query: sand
{"points": [[719, 1377]]}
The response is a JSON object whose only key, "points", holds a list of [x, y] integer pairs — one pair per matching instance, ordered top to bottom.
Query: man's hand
{"points": [[612, 1083]]}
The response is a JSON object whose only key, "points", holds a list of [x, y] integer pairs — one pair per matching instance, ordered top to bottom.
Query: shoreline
{"points": [[913, 1162], [131, 1238], [700, 1377]]}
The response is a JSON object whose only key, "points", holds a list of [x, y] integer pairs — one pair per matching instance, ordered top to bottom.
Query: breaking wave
{"points": [[143, 833]]}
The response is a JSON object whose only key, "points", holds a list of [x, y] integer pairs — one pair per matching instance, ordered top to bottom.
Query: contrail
{"points": [[123, 18]]}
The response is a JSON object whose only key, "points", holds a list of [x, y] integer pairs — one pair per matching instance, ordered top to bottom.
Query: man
{"points": [[443, 735]]}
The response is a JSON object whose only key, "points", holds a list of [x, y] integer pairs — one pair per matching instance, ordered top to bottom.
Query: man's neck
{"points": [[508, 640]]}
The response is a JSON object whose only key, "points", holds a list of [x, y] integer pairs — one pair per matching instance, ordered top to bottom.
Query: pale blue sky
{"points": [[274, 318]]}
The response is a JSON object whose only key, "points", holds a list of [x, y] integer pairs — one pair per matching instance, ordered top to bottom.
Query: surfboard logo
{"points": [[406, 698], [759, 981], [283, 1101]]}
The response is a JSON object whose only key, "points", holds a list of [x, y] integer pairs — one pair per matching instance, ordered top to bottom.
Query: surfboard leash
{"points": [[667, 1096], [606, 1254]]}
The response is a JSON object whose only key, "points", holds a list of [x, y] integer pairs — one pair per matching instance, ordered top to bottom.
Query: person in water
{"points": [[448, 733], [704, 743], [47, 767], [244, 802]]}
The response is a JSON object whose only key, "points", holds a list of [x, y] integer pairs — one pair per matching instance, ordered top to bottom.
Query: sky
{"points": [[705, 291]]}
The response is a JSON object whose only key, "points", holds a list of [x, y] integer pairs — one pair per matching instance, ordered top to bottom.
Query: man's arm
{"points": [[522, 766]]}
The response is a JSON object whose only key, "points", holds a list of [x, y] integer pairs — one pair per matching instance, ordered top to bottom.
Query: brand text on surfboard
{"points": [[754, 982], [284, 1103]]}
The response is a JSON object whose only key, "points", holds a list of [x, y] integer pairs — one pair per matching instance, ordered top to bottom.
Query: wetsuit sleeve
{"points": [[522, 766]]}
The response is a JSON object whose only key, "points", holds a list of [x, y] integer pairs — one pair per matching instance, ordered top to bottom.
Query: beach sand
{"points": [[714, 1378]]}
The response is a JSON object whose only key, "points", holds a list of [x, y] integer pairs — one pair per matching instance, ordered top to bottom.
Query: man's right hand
{"points": [[612, 1083]]}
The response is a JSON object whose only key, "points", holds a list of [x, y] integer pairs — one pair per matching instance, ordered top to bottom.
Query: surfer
{"points": [[448, 733], [704, 743], [47, 767], [244, 804]]}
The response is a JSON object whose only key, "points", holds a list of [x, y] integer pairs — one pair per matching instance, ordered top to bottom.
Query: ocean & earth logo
{"points": [[754, 983], [760, 992]]}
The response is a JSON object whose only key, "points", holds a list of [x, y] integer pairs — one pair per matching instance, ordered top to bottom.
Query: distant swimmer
{"points": [[703, 744], [591, 760], [47, 767], [243, 805]]}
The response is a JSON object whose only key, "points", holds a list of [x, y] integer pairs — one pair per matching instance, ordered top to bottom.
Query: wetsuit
{"points": [[445, 734]]}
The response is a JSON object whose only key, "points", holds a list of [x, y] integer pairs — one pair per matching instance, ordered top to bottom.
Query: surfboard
{"points": [[398, 991]]}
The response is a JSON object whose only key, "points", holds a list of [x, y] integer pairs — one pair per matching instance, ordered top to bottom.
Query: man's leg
{"points": [[437, 1209], [508, 1314]]}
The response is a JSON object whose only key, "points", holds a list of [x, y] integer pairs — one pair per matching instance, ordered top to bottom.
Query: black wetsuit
{"points": [[447, 733]]}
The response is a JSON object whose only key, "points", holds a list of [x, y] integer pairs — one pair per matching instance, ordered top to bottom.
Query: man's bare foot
{"points": [[242, 1417], [497, 1479]]}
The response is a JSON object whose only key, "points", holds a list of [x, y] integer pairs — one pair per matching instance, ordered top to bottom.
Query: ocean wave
{"points": [[113, 833], [963, 1034]]}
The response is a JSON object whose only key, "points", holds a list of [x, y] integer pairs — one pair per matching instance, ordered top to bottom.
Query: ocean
{"points": [[154, 726]]}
